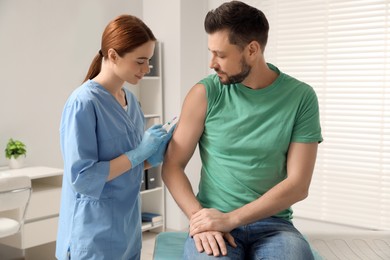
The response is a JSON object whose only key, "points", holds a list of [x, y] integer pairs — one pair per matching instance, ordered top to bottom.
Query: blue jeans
{"points": [[270, 239]]}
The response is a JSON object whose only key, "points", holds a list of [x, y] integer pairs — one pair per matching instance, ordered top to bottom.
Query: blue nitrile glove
{"points": [[151, 141], [158, 156]]}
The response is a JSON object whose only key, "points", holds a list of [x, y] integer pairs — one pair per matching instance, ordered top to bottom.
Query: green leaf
{"points": [[15, 148]]}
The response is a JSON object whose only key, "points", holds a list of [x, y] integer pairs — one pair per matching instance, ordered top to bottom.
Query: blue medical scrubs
{"points": [[99, 219]]}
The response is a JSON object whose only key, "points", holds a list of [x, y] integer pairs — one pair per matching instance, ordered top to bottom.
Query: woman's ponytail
{"points": [[94, 68]]}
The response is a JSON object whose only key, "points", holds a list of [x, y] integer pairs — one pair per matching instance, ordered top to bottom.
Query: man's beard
{"points": [[238, 78]]}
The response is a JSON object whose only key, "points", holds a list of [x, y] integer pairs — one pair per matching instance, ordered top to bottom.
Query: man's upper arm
{"points": [[189, 128], [300, 163]]}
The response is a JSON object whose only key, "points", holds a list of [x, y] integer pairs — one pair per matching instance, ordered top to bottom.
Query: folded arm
{"points": [[300, 164]]}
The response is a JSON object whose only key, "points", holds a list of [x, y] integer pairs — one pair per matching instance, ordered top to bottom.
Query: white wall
{"points": [[179, 25], [46, 48]]}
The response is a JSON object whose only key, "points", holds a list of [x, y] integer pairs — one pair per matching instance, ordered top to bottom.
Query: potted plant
{"points": [[15, 152]]}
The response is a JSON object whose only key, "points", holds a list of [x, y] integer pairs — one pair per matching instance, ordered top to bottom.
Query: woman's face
{"points": [[133, 66]]}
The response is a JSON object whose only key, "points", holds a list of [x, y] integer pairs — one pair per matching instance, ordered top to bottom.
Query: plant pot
{"points": [[15, 163]]}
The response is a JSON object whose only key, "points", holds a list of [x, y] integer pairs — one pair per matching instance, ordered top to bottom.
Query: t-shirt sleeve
{"points": [[211, 89], [307, 128], [85, 172]]}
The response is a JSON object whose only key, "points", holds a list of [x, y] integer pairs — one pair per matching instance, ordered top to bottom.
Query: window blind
{"points": [[342, 49]]}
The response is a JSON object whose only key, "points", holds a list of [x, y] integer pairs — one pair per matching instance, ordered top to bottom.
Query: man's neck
{"points": [[261, 76]]}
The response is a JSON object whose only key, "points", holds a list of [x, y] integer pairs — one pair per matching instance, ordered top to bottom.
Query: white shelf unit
{"points": [[149, 92]]}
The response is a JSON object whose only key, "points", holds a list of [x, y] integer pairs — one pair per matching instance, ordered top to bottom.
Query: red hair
{"points": [[123, 34]]}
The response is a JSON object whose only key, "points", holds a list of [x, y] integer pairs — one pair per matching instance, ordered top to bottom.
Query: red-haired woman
{"points": [[105, 149]]}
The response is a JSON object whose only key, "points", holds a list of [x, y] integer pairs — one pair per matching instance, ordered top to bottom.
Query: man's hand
{"points": [[210, 219], [213, 243]]}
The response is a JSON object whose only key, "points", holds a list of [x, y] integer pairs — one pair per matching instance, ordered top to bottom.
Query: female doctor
{"points": [[105, 150]]}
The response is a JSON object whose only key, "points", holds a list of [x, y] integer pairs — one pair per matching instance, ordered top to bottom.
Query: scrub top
{"points": [[99, 219]]}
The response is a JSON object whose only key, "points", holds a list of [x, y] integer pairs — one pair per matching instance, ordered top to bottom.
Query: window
{"points": [[342, 49]]}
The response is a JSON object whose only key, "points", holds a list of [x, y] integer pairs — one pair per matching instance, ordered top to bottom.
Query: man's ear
{"points": [[253, 48], [112, 55]]}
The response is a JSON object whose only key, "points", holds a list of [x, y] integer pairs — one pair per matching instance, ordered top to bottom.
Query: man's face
{"points": [[227, 60]]}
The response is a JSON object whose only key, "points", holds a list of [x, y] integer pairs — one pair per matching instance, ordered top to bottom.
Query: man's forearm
{"points": [[275, 200]]}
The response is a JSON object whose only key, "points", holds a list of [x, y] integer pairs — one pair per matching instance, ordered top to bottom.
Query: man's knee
{"points": [[286, 245]]}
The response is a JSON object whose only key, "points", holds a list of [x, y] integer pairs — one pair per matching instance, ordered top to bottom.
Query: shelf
{"points": [[151, 78], [149, 93], [147, 116], [151, 190], [148, 226]]}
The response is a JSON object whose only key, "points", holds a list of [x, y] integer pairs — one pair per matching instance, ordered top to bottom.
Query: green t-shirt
{"points": [[247, 135]]}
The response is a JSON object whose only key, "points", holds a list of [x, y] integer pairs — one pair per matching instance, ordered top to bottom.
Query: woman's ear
{"points": [[112, 55]]}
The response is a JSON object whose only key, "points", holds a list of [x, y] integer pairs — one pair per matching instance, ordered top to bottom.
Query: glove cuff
{"points": [[134, 157]]}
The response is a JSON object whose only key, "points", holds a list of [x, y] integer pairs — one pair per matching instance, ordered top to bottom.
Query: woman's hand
{"points": [[150, 143], [158, 156]]}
